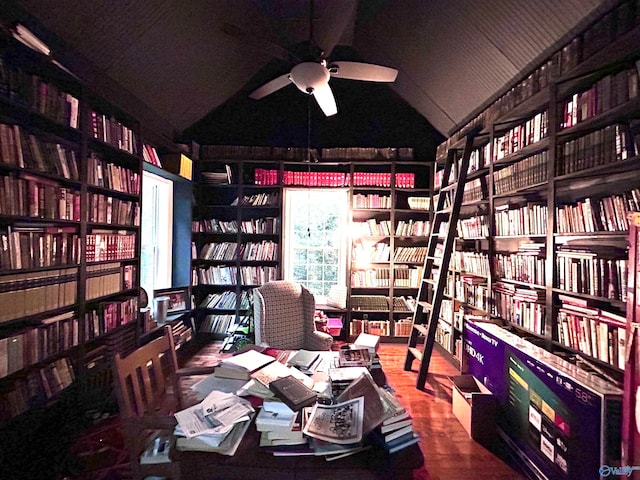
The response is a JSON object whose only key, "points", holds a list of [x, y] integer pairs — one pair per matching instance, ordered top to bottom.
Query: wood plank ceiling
{"points": [[176, 59]]}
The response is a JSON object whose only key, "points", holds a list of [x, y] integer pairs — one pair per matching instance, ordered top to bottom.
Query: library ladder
{"points": [[436, 264]]}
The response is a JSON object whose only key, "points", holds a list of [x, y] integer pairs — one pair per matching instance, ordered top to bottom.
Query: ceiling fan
{"points": [[312, 74]]}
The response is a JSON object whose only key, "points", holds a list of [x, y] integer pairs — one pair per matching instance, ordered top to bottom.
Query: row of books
{"points": [[565, 59], [37, 94], [605, 94], [112, 132], [521, 136], [613, 143], [21, 149], [213, 152], [367, 153], [150, 155], [527, 172], [103, 173], [263, 176], [314, 179], [473, 191], [27, 195], [264, 199], [371, 200], [113, 211], [607, 214], [528, 220], [266, 225], [372, 227], [473, 227], [412, 228], [110, 246], [38, 247], [265, 250], [364, 252], [410, 254], [473, 263], [526, 265], [587, 272], [215, 275], [258, 275], [371, 277], [381, 277], [108, 278], [30, 293], [473, 294], [226, 300], [520, 306], [109, 316], [221, 324], [372, 327], [402, 327], [592, 331], [27, 347], [40, 385]]}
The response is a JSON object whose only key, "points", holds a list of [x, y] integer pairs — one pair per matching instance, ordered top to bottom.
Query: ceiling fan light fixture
{"points": [[309, 76]]}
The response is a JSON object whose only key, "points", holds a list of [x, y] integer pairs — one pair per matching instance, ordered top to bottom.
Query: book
{"points": [[367, 340], [354, 357], [303, 359], [241, 366], [295, 394], [275, 420], [157, 451]]}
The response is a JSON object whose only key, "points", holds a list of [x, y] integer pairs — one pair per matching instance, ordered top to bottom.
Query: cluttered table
{"points": [[255, 456]]}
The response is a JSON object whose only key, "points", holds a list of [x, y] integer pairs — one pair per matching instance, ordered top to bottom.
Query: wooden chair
{"points": [[148, 391]]}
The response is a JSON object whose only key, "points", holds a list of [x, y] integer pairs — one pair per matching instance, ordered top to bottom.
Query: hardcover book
{"points": [[295, 394]]}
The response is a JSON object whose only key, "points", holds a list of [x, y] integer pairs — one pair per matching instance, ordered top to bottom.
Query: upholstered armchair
{"points": [[283, 317]]}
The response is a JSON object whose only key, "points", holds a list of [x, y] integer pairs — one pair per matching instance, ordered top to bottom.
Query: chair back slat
{"points": [[145, 378]]}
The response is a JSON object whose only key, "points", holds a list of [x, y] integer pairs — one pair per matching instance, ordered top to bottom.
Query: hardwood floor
{"points": [[449, 452]]}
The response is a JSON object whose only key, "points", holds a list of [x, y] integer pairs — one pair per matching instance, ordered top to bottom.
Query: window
{"points": [[156, 232], [315, 237]]}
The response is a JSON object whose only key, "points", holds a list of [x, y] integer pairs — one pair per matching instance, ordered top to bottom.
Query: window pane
{"points": [[315, 238]]}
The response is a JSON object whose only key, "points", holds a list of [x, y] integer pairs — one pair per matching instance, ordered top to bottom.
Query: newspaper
{"points": [[215, 415], [339, 423]]}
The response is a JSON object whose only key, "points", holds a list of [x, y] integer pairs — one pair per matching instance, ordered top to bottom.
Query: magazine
{"points": [[338, 423]]}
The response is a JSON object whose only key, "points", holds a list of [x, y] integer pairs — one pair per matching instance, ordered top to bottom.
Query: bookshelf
{"points": [[70, 175], [547, 201], [390, 211], [236, 240]]}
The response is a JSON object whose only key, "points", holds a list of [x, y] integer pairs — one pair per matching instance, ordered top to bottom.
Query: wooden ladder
{"points": [[436, 264]]}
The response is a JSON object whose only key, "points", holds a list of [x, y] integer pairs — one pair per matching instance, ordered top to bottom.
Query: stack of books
{"points": [[279, 425]]}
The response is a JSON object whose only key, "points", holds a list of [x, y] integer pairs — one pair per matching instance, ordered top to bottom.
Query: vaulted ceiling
{"points": [[190, 64]]}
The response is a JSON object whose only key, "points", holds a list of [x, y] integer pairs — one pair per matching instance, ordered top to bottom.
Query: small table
{"points": [[253, 463]]}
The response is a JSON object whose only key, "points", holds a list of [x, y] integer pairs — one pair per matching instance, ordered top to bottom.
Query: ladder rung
{"points": [[451, 186], [445, 211], [431, 281], [426, 305], [421, 328], [417, 354]]}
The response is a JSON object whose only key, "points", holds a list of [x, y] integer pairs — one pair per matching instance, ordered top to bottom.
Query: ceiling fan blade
{"points": [[362, 71], [271, 86], [326, 101]]}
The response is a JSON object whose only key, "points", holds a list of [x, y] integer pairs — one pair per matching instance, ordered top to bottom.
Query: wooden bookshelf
{"points": [[70, 175], [547, 200], [240, 209]]}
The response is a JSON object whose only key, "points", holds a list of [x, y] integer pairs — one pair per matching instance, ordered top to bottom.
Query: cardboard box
{"points": [[179, 164], [475, 407]]}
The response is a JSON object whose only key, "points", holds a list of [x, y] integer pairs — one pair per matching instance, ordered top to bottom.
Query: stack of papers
{"points": [[217, 424]]}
